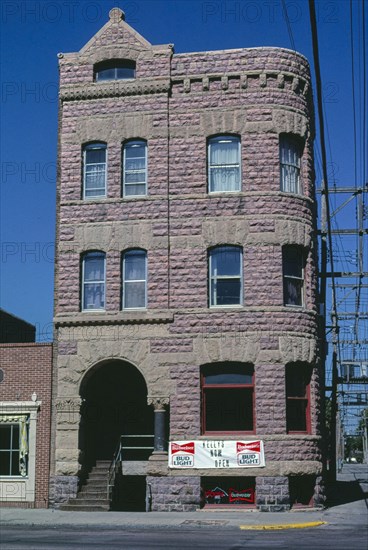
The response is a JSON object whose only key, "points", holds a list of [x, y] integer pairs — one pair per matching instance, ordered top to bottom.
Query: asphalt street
{"points": [[341, 526]]}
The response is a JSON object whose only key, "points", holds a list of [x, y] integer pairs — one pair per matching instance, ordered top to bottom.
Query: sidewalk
{"points": [[350, 508]]}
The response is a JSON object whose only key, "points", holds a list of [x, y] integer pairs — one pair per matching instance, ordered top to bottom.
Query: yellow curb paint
{"points": [[282, 526]]}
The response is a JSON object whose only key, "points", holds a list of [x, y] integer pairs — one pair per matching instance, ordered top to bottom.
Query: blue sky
{"points": [[33, 32]]}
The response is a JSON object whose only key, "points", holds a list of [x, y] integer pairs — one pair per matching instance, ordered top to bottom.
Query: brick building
{"points": [[185, 303], [25, 415]]}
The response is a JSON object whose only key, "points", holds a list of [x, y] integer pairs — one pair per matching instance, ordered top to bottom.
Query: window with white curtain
{"points": [[290, 154], [224, 167], [135, 168], [94, 170], [225, 276], [93, 281], [134, 286]]}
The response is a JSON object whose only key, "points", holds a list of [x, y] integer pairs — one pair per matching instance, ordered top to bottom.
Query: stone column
{"points": [[159, 405]]}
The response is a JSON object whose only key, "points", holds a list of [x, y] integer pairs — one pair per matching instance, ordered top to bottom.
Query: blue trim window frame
{"points": [[290, 161], [224, 164], [135, 168], [94, 170], [134, 275], [225, 276], [93, 281]]}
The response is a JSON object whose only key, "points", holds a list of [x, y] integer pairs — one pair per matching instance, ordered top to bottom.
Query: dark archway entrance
{"points": [[114, 404]]}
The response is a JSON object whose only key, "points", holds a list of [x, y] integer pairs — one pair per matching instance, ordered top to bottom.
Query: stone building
{"points": [[185, 301], [25, 413]]}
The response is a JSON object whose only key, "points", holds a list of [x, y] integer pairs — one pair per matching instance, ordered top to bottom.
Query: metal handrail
{"points": [[117, 457]]}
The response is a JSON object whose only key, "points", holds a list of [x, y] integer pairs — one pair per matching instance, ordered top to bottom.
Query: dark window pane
{"points": [[125, 72], [106, 74], [95, 156], [293, 262], [228, 292], [228, 374], [296, 383], [228, 409], [296, 415], [5, 431], [15, 442], [4, 463], [15, 464]]}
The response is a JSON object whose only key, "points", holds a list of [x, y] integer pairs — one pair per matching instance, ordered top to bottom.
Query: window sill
{"points": [[232, 306], [225, 435], [13, 478]]}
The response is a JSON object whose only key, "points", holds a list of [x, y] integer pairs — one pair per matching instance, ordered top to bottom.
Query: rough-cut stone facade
{"points": [[175, 103]]}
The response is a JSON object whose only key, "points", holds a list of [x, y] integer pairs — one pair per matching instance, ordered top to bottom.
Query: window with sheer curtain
{"points": [[290, 154], [135, 168], [94, 170], [224, 170], [134, 269], [293, 272], [225, 276], [93, 281]]}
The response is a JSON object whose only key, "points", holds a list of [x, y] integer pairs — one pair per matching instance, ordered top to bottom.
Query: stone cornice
{"points": [[298, 84], [114, 88], [81, 319]]}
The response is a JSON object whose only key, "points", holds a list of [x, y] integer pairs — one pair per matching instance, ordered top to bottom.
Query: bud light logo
{"points": [[248, 454], [182, 455]]}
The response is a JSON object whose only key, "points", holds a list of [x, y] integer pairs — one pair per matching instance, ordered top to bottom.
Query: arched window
{"points": [[114, 69], [290, 155], [224, 166], [135, 168], [94, 170], [293, 274], [225, 276], [93, 281], [134, 284], [227, 398]]}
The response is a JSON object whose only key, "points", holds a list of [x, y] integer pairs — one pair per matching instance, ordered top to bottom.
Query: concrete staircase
{"points": [[93, 495]]}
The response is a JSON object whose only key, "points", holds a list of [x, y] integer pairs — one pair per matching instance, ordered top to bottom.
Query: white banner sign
{"points": [[217, 454]]}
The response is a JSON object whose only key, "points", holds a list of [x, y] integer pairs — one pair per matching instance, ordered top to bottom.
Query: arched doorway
{"points": [[114, 403]]}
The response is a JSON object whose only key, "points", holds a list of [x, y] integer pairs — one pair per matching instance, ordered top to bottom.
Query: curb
{"points": [[282, 526]]}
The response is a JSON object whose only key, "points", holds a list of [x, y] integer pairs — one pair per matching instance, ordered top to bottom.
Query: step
{"points": [[96, 483], [93, 494], [90, 501]]}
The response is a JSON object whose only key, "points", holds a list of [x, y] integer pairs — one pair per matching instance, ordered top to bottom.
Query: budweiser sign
{"points": [[182, 455]]}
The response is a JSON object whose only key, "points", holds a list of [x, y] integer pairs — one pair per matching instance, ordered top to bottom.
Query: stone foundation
{"points": [[61, 489], [175, 494], [272, 494]]}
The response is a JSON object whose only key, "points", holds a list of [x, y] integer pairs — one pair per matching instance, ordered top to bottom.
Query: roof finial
{"points": [[116, 15]]}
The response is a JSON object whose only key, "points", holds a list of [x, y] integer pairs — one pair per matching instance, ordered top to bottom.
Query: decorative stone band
{"points": [[298, 85], [114, 89], [116, 319], [158, 403]]}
